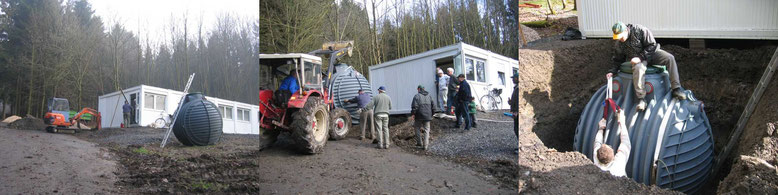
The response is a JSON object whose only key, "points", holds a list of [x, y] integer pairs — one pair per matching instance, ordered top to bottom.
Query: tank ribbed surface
{"points": [[346, 83], [199, 122], [680, 128]]}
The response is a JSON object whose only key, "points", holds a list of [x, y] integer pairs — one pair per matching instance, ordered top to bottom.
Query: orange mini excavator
{"points": [[59, 120]]}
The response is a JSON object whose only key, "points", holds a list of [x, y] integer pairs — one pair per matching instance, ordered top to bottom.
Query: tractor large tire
{"points": [[340, 123], [309, 126], [267, 137]]}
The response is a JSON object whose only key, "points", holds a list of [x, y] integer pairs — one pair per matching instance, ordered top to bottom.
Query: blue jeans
{"points": [[450, 102]]}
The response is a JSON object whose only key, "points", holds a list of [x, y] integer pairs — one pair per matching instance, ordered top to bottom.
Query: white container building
{"points": [[700, 19], [481, 67], [152, 103]]}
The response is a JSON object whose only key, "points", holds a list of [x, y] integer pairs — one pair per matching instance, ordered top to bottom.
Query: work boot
{"points": [[678, 93], [641, 105]]}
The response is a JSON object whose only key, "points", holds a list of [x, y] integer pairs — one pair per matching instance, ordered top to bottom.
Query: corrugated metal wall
{"points": [[709, 19]]}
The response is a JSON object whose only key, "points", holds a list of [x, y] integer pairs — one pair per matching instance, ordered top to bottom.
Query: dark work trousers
{"points": [[661, 57], [461, 110], [516, 126]]}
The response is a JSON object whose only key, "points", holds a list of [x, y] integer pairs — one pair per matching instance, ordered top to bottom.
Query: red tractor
{"points": [[308, 113]]}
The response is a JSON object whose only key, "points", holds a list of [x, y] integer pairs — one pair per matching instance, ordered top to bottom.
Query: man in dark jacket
{"points": [[636, 43], [452, 88], [463, 98], [514, 102], [422, 108], [365, 114]]}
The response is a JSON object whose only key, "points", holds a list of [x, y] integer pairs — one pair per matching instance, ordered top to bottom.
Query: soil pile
{"points": [[29, 123], [754, 170]]}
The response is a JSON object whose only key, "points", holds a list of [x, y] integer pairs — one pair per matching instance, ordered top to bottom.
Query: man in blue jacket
{"points": [[290, 82]]}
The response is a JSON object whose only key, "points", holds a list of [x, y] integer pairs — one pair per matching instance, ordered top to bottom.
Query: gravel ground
{"points": [[490, 141], [487, 149]]}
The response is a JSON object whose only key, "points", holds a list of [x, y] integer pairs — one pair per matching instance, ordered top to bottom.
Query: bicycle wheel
{"points": [[497, 102], [487, 103], [160, 123]]}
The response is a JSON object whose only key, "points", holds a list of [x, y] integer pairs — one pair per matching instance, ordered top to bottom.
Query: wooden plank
{"points": [[741, 123]]}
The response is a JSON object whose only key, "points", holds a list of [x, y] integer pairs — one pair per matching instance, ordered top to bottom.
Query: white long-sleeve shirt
{"points": [[618, 166]]}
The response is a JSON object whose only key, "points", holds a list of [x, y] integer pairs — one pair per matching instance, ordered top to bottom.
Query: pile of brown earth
{"points": [[558, 79], [29, 123], [754, 170]]}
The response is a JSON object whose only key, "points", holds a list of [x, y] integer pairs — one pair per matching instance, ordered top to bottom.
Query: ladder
{"points": [[175, 114], [741, 123]]}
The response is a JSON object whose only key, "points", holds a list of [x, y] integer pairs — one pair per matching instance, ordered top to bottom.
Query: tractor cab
{"points": [[309, 79]]}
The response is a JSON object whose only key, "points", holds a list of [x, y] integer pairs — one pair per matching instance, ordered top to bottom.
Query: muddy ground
{"points": [[559, 77], [36, 162], [230, 166], [356, 166]]}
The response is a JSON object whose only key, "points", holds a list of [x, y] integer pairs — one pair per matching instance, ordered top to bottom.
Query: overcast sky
{"points": [[155, 16]]}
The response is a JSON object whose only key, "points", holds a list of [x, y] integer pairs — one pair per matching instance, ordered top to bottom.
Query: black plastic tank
{"points": [[346, 84], [199, 123], [672, 142]]}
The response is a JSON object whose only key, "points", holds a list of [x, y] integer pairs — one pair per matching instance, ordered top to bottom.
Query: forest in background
{"points": [[404, 28], [51, 48]]}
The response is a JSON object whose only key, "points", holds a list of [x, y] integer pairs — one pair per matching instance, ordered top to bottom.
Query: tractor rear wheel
{"points": [[340, 123], [309, 126], [267, 137]]}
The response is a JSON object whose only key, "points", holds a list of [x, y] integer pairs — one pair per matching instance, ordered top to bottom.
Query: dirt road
{"points": [[35, 162], [354, 166]]}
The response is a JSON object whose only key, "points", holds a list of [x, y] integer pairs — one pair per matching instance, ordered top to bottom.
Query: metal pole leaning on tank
{"points": [[175, 114], [741, 123]]}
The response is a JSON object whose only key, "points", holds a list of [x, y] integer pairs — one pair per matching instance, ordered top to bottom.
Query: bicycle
{"points": [[491, 101], [163, 121]]}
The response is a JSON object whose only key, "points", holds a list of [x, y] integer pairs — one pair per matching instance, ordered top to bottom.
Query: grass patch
{"points": [[537, 24], [142, 150], [207, 186]]}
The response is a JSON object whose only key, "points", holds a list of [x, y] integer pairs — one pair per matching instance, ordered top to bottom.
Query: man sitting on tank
{"points": [[636, 43], [603, 155]]}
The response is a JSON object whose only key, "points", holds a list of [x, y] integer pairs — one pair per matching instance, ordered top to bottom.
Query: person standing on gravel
{"points": [[636, 43], [452, 88], [442, 90], [463, 99], [514, 102], [381, 104], [422, 108], [471, 108], [126, 109], [365, 114], [604, 158]]}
